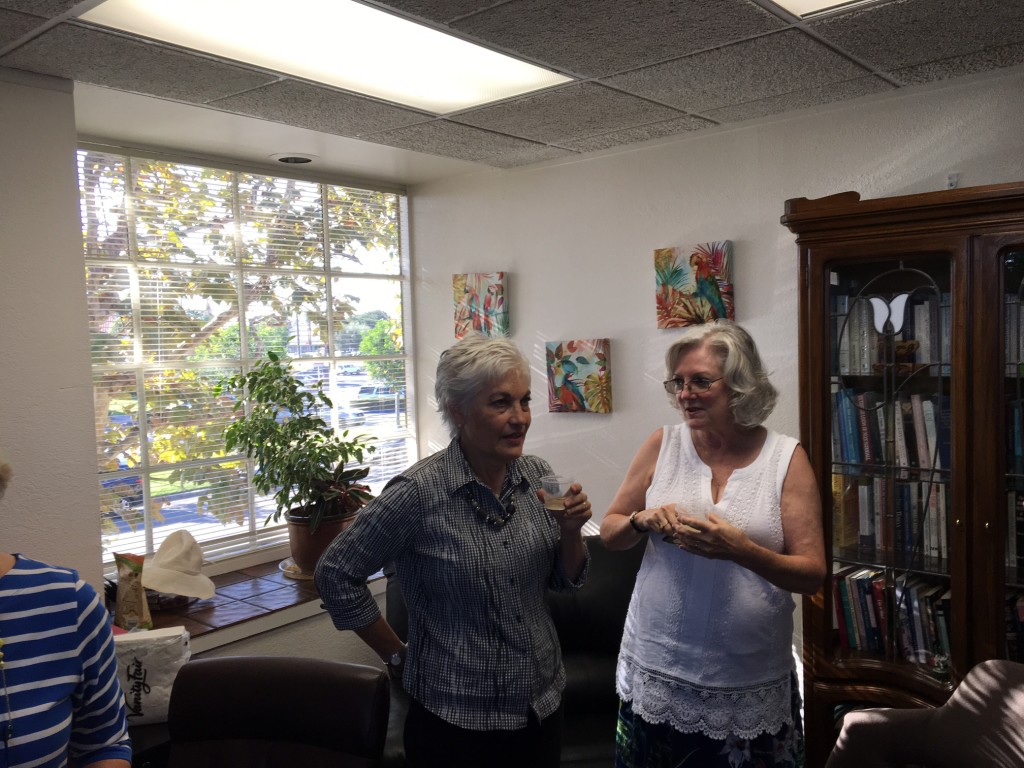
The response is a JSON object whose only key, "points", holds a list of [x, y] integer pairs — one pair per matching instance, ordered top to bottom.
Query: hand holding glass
{"points": [[556, 488]]}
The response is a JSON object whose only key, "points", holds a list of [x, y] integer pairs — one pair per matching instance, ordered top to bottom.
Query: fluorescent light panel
{"points": [[811, 7], [335, 42]]}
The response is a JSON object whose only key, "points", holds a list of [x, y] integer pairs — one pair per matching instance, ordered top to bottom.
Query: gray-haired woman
{"points": [[730, 515], [474, 552]]}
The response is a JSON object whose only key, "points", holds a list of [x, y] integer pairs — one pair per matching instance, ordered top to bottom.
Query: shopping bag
{"points": [[147, 663]]}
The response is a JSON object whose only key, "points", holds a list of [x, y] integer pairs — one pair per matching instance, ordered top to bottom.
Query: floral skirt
{"points": [[639, 744]]}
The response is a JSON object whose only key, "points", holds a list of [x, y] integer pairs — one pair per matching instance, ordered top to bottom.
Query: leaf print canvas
{"points": [[695, 288], [481, 304], [579, 376]]}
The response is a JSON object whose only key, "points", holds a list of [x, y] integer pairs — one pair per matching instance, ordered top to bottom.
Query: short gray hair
{"points": [[468, 366], [753, 395]]}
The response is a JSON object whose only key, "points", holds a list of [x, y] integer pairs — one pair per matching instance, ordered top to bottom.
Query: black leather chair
{"points": [[589, 624], [277, 712]]}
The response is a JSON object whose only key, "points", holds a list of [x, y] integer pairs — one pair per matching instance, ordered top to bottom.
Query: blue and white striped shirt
{"points": [[483, 651], [60, 669]]}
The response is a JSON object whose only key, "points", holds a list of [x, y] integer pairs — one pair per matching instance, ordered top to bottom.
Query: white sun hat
{"points": [[177, 568]]}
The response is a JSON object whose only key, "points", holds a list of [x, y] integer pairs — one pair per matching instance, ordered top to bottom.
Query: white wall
{"points": [[578, 239], [46, 411]]}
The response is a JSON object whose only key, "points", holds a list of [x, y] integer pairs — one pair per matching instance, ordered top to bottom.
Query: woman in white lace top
{"points": [[729, 513]]}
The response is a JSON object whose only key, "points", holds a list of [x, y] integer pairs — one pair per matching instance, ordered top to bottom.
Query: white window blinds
{"points": [[193, 274]]}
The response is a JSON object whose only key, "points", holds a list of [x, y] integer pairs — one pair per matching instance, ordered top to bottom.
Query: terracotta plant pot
{"points": [[307, 548]]}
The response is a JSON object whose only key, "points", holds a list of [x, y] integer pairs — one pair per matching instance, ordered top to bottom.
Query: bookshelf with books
{"points": [[912, 412]]}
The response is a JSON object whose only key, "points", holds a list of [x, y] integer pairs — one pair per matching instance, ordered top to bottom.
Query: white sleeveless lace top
{"points": [[707, 644]]}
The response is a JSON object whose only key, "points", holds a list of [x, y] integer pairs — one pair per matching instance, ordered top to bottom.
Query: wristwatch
{"points": [[396, 660]]}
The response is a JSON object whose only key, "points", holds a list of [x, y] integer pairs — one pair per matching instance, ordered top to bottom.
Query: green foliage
{"points": [[385, 338], [226, 343], [298, 457]]}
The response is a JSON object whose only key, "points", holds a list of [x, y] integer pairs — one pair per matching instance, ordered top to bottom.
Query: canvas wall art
{"points": [[694, 285], [481, 304], [579, 375]]}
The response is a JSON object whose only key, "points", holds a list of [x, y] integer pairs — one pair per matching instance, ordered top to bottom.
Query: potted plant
{"points": [[298, 457]]}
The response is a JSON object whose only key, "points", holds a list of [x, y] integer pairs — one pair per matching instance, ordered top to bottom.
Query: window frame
{"points": [[257, 542]]}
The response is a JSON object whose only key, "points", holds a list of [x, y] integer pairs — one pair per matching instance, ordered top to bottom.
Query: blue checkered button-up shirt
{"points": [[483, 650]]}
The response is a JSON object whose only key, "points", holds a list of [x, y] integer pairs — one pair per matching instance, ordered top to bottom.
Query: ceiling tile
{"points": [[48, 9], [439, 11], [14, 25], [898, 34], [596, 38], [90, 56], [958, 66], [747, 71], [809, 97], [319, 109], [567, 113], [640, 133], [448, 139], [536, 154]]}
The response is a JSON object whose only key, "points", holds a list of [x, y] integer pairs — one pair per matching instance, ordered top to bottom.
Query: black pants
{"points": [[431, 742]]}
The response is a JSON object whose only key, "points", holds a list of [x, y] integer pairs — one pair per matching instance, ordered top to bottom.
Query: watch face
{"points": [[395, 660]]}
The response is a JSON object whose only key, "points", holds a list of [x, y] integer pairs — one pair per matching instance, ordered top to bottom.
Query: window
{"points": [[193, 274]]}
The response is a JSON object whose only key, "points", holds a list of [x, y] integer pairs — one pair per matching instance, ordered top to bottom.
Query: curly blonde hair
{"points": [[5, 476]]}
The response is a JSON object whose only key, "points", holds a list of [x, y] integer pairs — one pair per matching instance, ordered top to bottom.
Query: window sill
{"points": [[248, 602]]}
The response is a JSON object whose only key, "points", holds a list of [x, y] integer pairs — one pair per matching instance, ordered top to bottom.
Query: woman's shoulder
{"points": [[37, 570]]}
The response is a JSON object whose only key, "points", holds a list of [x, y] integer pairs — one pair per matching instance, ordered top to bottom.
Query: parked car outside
{"points": [[351, 369], [378, 398], [128, 487]]}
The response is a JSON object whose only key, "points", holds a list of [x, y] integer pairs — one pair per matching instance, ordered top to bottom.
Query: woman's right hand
{"points": [[663, 520]]}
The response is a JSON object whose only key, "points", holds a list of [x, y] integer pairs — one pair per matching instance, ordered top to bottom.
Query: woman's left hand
{"points": [[577, 509]]}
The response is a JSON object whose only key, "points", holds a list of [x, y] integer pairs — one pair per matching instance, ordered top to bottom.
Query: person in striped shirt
{"points": [[60, 700]]}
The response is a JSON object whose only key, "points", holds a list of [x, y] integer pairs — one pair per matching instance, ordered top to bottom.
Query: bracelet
{"points": [[632, 522]]}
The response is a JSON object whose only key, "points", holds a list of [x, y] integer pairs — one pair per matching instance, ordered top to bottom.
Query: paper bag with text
{"points": [[147, 663]]}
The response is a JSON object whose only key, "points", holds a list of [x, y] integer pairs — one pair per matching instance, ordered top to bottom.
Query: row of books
{"points": [[923, 336], [1013, 344], [920, 425], [1015, 437], [883, 515], [1015, 531], [864, 609], [1013, 614]]}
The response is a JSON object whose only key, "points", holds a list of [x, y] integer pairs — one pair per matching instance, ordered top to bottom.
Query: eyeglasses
{"points": [[698, 385]]}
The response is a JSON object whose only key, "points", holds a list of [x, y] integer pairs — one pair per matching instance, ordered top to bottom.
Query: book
{"points": [[922, 332], [842, 335], [907, 412], [865, 418], [851, 433], [920, 435], [900, 444], [880, 501], [866, 507], [845, 514], [1011, 530], [841, 589], [880, 596], [841, 607], [941, 608], [904, 623], [872, 632], [859, 640]]}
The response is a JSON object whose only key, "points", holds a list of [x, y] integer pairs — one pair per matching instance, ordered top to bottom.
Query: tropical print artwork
{"points": [[696, 288], [480, 304], [579, 376]]}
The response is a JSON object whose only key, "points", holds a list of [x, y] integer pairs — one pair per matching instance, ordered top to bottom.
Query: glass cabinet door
{"points": [[1013, 356], [890, 427]]}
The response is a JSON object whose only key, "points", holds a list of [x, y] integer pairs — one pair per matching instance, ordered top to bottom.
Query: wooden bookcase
{"points": [[911, 335]]}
